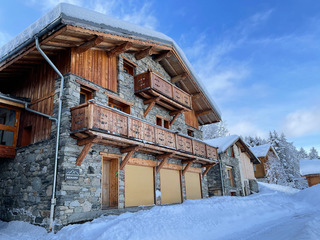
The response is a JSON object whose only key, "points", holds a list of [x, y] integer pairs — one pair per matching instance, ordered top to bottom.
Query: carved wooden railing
{"points": [[150, 80], [102, 118]]}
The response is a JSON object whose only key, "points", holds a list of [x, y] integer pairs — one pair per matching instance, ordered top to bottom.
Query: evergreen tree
{"points": [[215, 130], [302, 154], [313, 154], [275, 170]]}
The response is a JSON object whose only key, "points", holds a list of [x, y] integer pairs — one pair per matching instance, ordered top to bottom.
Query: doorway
{"points": [[109, 182]]}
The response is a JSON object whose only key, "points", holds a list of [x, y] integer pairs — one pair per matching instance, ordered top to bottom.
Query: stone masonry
{"points": [[214, 176]]}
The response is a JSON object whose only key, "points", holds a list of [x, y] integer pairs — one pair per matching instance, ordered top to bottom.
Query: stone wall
{"points": [[214, 177], [26, 184]]}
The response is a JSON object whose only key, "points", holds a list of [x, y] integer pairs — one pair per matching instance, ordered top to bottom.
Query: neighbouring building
{"points": [[129, 109], [264, 153], [310, 169], [234, 176]]}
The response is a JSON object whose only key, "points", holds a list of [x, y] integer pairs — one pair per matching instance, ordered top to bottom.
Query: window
{"points": [[128, 66], [85, 94], [119, 104], [162, 122], [7, 128], [190, 133], [230, 152], [230, 176]]}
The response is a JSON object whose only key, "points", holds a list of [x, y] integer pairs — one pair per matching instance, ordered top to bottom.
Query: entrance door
{"points": [[109, 183]]}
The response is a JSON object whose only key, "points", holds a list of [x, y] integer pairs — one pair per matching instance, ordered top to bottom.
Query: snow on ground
{"points": [[275, 213]]}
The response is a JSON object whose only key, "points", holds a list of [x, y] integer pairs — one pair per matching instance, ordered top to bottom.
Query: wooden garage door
{"points": [[193, 185], [139, 186], [170, 186]]}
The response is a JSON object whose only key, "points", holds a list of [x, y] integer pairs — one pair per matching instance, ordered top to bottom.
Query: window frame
{"points": [[128, 66], [165, 123], [229, 174]]}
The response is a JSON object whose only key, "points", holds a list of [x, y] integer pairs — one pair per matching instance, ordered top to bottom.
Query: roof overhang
{"points": [[65, 30]]}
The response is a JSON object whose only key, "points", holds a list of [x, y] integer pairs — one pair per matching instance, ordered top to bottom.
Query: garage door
{"points": [[193, 185], [139, 186], [170, 186]]}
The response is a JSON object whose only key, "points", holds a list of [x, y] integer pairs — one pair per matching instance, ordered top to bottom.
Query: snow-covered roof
{"points": [[76, 16], [222, 143], [262, 150], [308, 166]]}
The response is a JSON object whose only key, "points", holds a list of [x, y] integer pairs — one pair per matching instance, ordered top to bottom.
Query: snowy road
{"points": [[275, 213]]}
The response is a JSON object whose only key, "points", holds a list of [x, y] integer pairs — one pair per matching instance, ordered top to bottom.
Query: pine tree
{"points": [[215, 130], [302, 154], [313, 154], [275, 170]]}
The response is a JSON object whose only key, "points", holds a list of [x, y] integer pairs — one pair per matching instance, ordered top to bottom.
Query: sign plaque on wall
{"points": [[72, 174]]}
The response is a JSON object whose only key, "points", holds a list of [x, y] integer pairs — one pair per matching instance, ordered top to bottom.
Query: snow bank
{"points": [[308, 166], [267, 187], [275, 213]]}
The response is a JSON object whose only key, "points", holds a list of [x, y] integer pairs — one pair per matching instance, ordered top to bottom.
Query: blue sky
{"points": [[260, 60]]}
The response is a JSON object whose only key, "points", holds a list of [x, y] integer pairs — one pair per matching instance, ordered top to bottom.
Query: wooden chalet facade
{"points": [[129, 128], [264, 153], [310, 169], [234, 176]]}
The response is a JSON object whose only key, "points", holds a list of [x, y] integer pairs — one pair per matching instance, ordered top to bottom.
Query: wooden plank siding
{"points": [[95, 66], [38, 85], [191, 119]]}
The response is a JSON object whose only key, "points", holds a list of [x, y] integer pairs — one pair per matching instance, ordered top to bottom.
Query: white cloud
{"points": [[302, 122], [246, 128]]}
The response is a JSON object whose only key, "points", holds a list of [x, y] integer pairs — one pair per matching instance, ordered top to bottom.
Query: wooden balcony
{"points": [[149, 85], [111, 127]]}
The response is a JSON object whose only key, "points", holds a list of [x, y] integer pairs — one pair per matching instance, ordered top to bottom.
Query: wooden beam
{"points": [[89, 44], [120, 49], [144, 53], [161, 56], [179, 78], [196, 96], [152, 101], [176, 112], [204, 112], [175, 117], [93, 139], [129, 149], [84, 153], [128, 156], [162, 156], [165, 159], [189, 160], [208, 166], [186, 168]]}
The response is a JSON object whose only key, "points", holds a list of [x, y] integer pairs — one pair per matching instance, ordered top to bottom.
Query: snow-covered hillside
{"points": [[275, 213]]}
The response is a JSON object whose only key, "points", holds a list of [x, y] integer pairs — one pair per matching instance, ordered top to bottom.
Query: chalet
{"points": [[98, 116], [263, 152], [310, 169], [234, 176]]}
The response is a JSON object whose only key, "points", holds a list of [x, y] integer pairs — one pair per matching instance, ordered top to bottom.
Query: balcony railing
{"points": [[149, 84], [105, 119]]}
